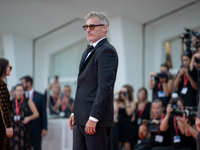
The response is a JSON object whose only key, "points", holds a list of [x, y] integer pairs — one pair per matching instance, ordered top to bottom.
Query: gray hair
{"points": [[101, 15]]}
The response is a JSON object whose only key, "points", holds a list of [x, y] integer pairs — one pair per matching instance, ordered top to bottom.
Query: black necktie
{"points": [[89, 49]]}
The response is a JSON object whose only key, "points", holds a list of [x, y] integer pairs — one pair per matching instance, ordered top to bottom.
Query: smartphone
{"points": [[56, 77]]}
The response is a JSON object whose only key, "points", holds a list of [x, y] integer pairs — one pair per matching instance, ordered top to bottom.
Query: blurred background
{"points": [[44, 38]]}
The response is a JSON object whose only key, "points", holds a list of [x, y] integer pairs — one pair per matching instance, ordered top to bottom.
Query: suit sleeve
{"points": [[107, 68], [4, 105], [44, 113]]}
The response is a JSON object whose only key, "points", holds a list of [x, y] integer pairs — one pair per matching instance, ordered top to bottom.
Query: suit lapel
{"points": [[87, 60], [82, 66]]}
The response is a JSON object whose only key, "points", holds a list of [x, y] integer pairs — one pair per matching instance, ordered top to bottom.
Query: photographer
{"points": [[190, 38], [195, 58], [185, 81], [161, 84], [54, 99], [126, 112], [151, 129], [180, 135]]}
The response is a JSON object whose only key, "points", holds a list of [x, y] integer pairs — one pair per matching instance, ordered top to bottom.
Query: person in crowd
{"points": [[194, 40], [185, 81], [161, 84], [12, 93], [54, 99], [65, 103], [143, 108], [126, 111], [92, 116], [21, 118], [197, 122], [39, 125], [6, 130], [149, 130], [180, 136], [113, 139]]}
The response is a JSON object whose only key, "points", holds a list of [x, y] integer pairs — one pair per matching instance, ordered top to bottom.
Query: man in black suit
{"points": [[92, 115], [39, 125]]}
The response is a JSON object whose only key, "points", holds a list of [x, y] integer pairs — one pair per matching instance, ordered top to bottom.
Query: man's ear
{"points": [[105, 27]]}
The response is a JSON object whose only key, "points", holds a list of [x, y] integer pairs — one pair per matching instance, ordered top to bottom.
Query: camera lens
{"points": [[125, 93]]}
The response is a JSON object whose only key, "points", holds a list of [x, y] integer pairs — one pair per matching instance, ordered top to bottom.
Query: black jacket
{"points": [[96, 78], [41, 122]]}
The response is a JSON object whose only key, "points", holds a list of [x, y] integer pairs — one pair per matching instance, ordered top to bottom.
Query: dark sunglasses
{"points": [[92, 26], [10, 67]]}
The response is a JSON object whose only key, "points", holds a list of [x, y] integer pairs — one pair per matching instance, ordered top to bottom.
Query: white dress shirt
{"points": [[30, 94]]}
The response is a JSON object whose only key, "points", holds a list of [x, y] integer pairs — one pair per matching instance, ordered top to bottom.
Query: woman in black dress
{"points": [[185, 81], [126, 107], [142, 109], [21, 116], [6, 130]]}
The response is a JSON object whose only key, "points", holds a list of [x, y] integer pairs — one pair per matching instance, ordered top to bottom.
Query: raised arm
{"points": [[164, 123]]}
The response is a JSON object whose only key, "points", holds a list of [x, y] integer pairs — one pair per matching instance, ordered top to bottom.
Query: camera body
{"points": [[187, 38], [160, 75], [125, 93], [174, 101], [189, 112], [152, 126]]}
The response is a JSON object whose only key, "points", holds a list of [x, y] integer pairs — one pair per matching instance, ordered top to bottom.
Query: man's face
{"points": [[99, 31], [194, 40], [163, 69], [23, 82], [56, 89], [67, 91], [180, 105], [157, 109]]}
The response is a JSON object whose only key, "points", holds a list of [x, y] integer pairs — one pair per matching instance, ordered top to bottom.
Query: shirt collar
{"points": [[95, 43], [30, 92]]}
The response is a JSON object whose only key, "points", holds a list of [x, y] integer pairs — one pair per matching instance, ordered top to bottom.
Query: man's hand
{"points": [[162, 79], [169, 109], [181, 119], [71, 122], [197, 123], [90, 127], [9, 132], [44, 132], [143, 132]]}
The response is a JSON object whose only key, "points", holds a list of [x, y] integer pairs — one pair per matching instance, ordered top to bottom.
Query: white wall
{"points": [[51, 44], [18, 50]]}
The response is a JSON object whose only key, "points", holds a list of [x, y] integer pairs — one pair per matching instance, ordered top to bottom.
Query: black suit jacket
{"points": [[96, 78], [41, 122]]}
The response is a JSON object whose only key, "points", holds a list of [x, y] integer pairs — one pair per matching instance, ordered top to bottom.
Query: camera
{"points": [[187, 38], [197, 60], [160, 75], [56, 77], [124, 93], [174, 101], [189, 112], [152, 126]]}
